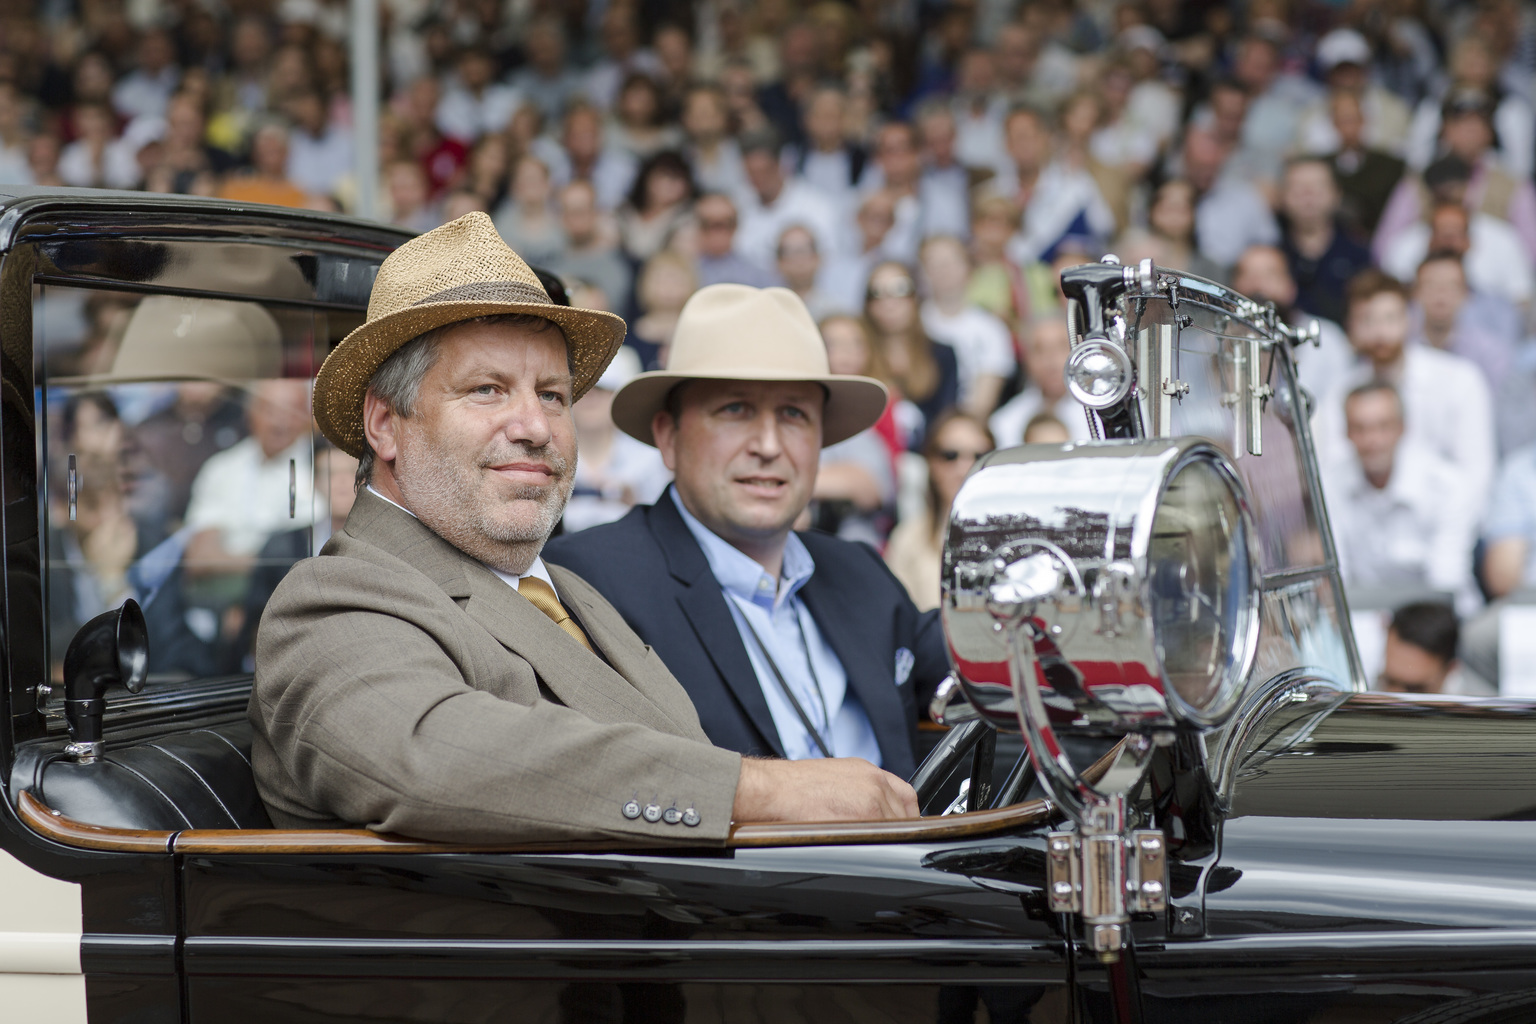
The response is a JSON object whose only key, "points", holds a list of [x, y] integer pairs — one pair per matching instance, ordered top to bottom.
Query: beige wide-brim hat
{"points": [[456, 272], [737, 332]]}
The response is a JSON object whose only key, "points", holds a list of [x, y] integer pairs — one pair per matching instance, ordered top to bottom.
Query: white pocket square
{"points": [[904, 662]]}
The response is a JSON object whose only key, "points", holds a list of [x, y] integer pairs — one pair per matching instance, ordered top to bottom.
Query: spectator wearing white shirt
{"points": [[622, 55], [1343, 56], [1472, 68], [546, 80], [145, 91], [1276, 101], [474, 104], [1153, 104], [979, 109], [13, 137], [710, 150], [319, 152], [583, 155], [98, 159], [827, 160], [945, 188], [1058, 201], [773, 202], [926, 204], [1230, 214], [591, 251], [718, 261], [1495, 261], [799, 264], [1263, 275], [845, 278], [983, 344], [1046, 348], [1447, 408], [615, 472], [242, 495], [1402, 515]]}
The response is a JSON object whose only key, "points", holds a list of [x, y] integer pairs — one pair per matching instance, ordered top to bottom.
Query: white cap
{"points": [[1141, 37], [1343, 46], [624, 368]]}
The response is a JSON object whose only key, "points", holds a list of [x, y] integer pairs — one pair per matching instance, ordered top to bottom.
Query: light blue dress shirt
{"points": [[810, 667]]}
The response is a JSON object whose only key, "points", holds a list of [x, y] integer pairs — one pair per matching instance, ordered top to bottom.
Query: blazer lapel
{"points": [[703, 604], [626, 652], [871, 673], [577, 677]]}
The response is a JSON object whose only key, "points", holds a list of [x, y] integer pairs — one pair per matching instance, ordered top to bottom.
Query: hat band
{"points": [[489, 291]]}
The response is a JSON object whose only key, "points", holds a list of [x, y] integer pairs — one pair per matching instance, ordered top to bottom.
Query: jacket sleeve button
{"points": [[632, 809], [652, 813], [671, 815], [690, 817]]}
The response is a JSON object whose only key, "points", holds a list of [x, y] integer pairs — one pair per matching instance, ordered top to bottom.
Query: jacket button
{"points": [[632, 809], [652, 813], [671, 815], [690, 817]]}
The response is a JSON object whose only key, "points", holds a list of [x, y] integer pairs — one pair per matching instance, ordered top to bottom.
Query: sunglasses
{"points": [[900, 289], [951, 455]]}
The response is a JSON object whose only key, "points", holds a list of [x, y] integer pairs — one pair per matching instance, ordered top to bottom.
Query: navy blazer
{"points": [[651, 569]]}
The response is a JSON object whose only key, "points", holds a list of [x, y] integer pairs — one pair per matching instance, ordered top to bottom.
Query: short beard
{"points": [[436, 491]]}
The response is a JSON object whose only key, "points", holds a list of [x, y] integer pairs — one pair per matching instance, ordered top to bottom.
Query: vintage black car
{"points": [[1216, 824]]}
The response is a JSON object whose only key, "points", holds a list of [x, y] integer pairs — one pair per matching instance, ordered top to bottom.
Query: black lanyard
{"points": [[778, 677]]}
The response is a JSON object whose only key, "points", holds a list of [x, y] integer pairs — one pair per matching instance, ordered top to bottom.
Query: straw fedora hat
{"points": [[455, 272], [737, 332]]}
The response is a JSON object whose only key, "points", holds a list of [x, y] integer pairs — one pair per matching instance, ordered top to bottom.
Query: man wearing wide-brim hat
{"points": [[791, 645], [428, 673]]}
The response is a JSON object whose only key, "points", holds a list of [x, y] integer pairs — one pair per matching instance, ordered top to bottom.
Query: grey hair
{"points": [[397, 381]]}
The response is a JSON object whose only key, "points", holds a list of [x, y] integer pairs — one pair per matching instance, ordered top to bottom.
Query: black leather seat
{"points": [[200, 778]]}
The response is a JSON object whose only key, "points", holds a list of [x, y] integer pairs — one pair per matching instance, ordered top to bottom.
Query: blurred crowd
{"points": [[918, 172]]}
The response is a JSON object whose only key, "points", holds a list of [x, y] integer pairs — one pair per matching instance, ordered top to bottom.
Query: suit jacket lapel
{"points": [[703, 604], [625, 651], [871, 673], [578, 678]]}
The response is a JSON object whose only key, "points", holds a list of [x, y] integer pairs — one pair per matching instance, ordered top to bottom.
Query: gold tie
{"points": [[542, 596]]}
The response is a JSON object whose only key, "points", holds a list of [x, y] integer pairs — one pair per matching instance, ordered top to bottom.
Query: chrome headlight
{"points": [[1128, 571]]}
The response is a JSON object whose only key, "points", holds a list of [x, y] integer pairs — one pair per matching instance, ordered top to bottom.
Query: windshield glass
{"points": [[179, 466]]}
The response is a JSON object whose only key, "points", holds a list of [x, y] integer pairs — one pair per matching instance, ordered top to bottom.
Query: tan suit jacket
{"points": [[403, 686]]}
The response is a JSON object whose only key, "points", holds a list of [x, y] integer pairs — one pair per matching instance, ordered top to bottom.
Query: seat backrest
{"points": [[200, 778]]}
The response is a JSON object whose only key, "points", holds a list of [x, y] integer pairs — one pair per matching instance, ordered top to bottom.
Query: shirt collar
{"points": [[537, 570], [738, 574]]}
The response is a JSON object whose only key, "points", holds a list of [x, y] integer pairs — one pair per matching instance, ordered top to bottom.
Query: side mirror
{"points": [[112, 648]]}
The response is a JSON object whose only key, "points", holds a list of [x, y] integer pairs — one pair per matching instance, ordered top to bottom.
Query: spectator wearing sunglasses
{"points": [[923, 371], [916, 549]]}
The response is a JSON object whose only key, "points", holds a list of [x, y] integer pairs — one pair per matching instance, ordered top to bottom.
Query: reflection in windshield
{"points": [[180, 468]]}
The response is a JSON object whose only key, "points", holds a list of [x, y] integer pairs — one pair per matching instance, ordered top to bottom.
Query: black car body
{"points": [[1354, 857]]}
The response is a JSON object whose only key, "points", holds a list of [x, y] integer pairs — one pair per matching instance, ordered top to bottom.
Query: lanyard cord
{"points": [[778, 677]]}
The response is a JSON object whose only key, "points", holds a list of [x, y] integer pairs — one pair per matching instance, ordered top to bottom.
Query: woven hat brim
{"points": [[593, 337], [854, 404]]}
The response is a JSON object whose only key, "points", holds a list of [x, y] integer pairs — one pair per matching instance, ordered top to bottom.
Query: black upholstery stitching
{"points": [[199, 777], [172, 803]]}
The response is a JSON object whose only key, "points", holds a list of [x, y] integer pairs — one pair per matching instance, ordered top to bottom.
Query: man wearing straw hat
{"points": [[791, 645], [428, 674]]}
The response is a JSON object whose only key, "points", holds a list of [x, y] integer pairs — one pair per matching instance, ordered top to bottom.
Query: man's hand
{"points": [[839, 789]]}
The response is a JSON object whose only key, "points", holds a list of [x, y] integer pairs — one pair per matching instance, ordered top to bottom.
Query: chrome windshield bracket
{"points": [[1105, 874]]}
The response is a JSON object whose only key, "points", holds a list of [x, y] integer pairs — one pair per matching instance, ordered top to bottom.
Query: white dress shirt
{"points": [[982, 342], [1446, 408], [246, 496], [1416, 531]]}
